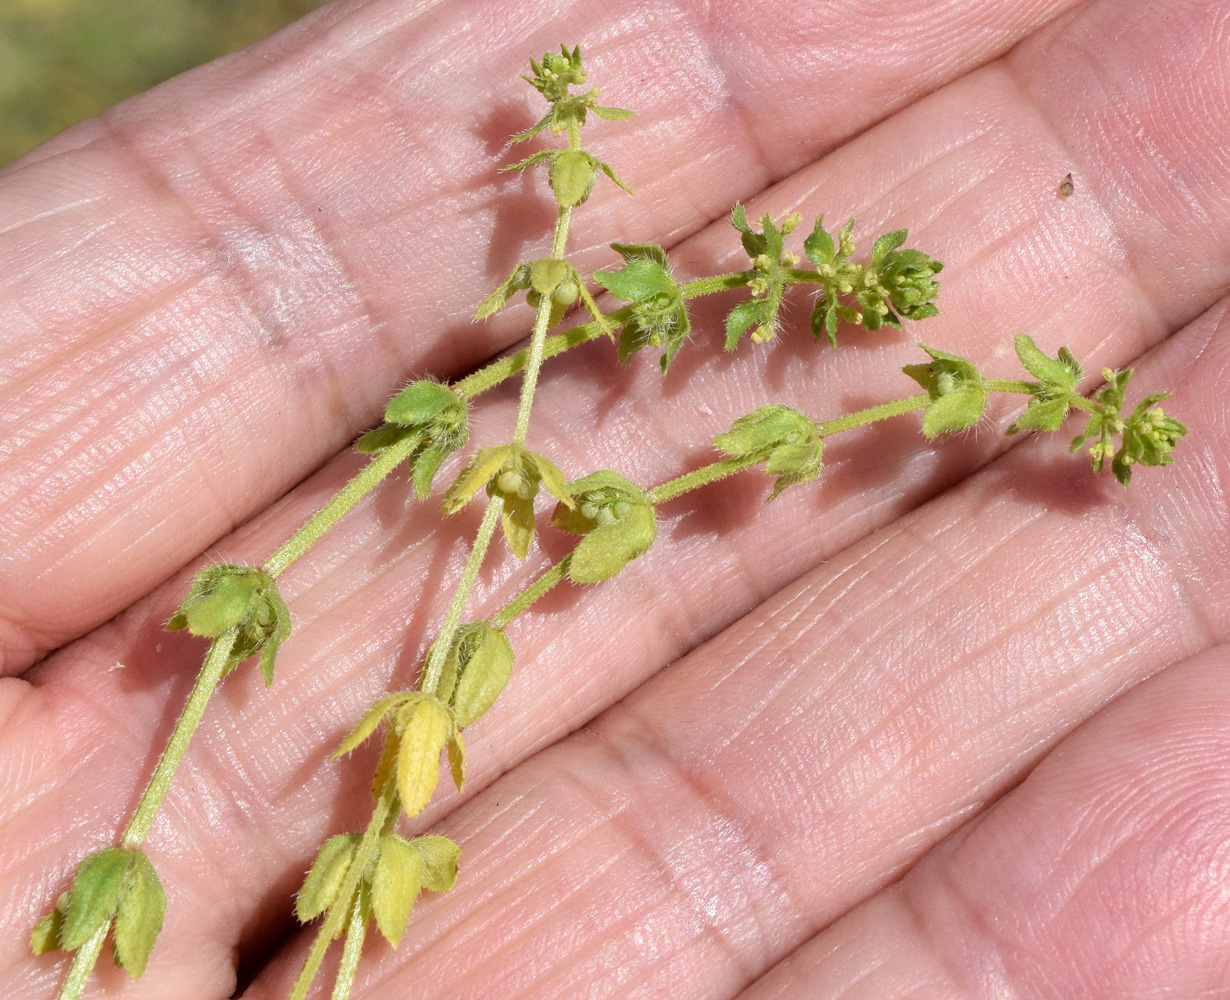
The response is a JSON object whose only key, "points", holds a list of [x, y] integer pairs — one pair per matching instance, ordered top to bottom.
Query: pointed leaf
{"points": [[611, 114], [534, 129], [529, 161], [607, 169], [572, 176], [886, 243], [819, 246], [631, 252], [546, 273], [638, 281], [494, 302], [742, 318], [1049, 371], [420, 402], [954, 411], [1041, 415], [384, 436], [426, 465], [482, 468], [553, 479], [517, 521], [607, 549], [484, 673], [367, 725], [424, 726], [457, 760], [386, 766], [440, 856], [324, 880], [395, 886], [95, 895], [139, 918], [46, 934]]}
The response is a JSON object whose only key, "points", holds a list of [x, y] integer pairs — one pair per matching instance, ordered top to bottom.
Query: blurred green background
{"points": [[65, 60]]}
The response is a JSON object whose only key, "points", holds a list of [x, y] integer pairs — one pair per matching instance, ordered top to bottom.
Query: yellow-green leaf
{"points": [[480, 471], [553, 480], [518, 523], [483, 675], [367, 725], [424, 726], [457, 759], [440, 856], [324, 881], [395, 886], [95, 895], [138, 920], [46, 934]]}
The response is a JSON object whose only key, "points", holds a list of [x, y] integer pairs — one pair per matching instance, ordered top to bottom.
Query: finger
{"points": [[272, 243], [747, 796], [297, 813], [1103, 875]]}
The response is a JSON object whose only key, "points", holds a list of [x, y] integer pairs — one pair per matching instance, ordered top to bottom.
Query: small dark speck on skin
{"points": [[1066, 187]]}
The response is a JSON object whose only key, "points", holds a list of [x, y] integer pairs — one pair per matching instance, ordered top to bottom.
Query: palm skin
{"points": [[950, 723]]}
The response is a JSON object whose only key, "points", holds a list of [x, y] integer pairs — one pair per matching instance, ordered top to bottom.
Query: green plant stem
{"points": [[716, 283], [493, 374], [1009, 385], [1081, 403], [884, 411], [700, 477], [340, 504], [538, 588], [452, 618], [216, 661], [347, 897], [352, 949], [83, 964]]}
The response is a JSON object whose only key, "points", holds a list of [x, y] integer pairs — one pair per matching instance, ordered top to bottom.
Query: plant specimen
{"points": [[375, 876]]}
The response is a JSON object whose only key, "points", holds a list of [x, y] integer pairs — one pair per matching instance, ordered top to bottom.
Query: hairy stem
{"points": [[1009, 385], [884, 411], [700, 477], [340, 504], [538, 588], [438, 655], [215, 664], [348, 896], [352, 949], [83, 964]]}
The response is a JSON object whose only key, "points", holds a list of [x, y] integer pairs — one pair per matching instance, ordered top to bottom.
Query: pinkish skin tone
{"points": [[208, 292]]}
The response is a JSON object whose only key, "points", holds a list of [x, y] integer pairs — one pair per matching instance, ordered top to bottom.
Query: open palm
{"points": [[952, 722]]}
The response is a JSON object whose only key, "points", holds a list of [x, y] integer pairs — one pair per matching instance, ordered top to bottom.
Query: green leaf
{"points": [[611, 114], [532, 131], [534, 158], [607, 169], [572, 176], [887, 242], [819, 246], [632, 252], [546, 273], [638, 281], [497, 299], [742, 318], [1061, 374], [422, 402], [954, 411], [1041, 415], [384, 436], [427, 464], [480, 470], [552, 479], [517, 520], [608, 548], [484, 665], [367, 725], [423, 726], [440, 856], [324, 880], [396, 882], [95, 895], [138, 920], [46, 934]]}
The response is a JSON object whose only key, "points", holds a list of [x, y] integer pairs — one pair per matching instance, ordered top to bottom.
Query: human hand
{"points": [[212, 289]]}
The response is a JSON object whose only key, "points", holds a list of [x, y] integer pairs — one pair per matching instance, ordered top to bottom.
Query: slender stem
{"points": [[716, 283], [533, 361], [496, 372], [1010, 385], [1081, 403], [870, 415], [700, 477], [340, 504], [531, 593], [452, 618], [216, 661], [347, 895], [352, 949], [83, 964]]}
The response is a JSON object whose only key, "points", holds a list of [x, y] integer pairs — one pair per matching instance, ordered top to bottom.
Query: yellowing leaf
{"points": [[424, 726], [457, 760], [440, 856], [324, 881], [395, 886], [139, 917]]}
